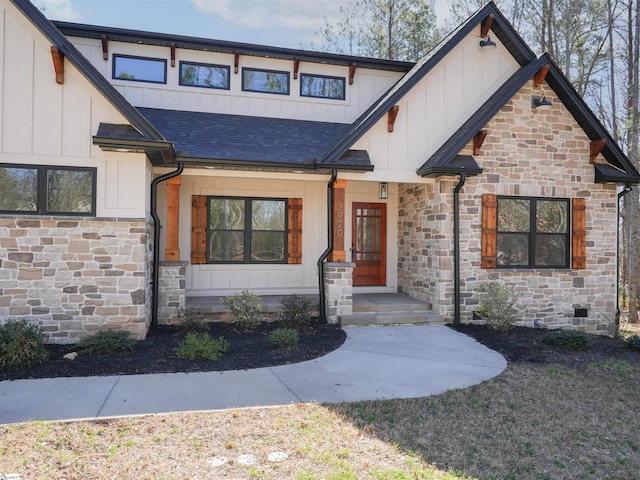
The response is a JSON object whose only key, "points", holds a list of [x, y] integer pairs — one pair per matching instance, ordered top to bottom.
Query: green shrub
{"points": [[497, 305], [246, 309], [296, 312], [192, 320], [284, 338], [569, 339], [106, 342], [633, 342], [21, 345], [202, 346]]}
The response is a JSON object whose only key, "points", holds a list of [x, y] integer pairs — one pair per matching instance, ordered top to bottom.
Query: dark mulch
{"points": [[525, 345], [156, 354]]}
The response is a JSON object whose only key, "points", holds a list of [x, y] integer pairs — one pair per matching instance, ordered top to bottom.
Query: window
{"points": [[139, 69], [204, 75], [267, 81], [321, 86], [47, 190], [247, 230], [533, 232]]}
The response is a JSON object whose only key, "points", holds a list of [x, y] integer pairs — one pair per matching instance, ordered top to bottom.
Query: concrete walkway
{"points": [[374, 363]]}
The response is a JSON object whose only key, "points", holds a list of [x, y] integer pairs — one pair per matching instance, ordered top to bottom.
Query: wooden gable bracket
{"points": [[486, 25], [105, 47], [173, 54], [236, 62], [58, 64], [296, 66], [352, 72], [540, 76], [391, 117], [478, 140], [595, 148]]}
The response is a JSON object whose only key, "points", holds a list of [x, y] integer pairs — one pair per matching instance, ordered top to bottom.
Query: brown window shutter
{"points": [[198, 229], [489, 230], [578, 234], [294, 237]]}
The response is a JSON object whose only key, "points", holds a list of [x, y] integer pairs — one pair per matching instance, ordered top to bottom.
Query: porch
{"points": [[368, 309]]}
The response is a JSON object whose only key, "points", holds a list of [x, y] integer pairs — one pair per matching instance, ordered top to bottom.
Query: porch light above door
{"points": [[383, 190]]}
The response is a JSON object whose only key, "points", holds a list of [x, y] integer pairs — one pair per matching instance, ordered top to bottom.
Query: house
{"points": [[138, 170]]}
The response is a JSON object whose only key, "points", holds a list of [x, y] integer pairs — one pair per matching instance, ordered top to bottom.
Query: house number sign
{"points": [[338, 254]]}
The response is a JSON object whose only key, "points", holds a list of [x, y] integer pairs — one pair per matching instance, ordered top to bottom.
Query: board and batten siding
{"points": [[368, 85], [435, 108], [44, 123]]}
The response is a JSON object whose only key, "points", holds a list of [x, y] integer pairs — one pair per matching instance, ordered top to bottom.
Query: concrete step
{"points": [[392, 307], [390, 318]]}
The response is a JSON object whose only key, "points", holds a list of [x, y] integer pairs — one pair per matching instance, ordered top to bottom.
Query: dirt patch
{"points": [[157, 354]]}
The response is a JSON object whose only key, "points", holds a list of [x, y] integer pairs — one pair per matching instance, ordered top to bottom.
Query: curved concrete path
{"points": [[374, 363]]}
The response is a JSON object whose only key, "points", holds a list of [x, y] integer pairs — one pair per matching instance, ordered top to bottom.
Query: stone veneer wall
{"points": [[528, 152], [76, 276], [338, 288], [171, 291]]}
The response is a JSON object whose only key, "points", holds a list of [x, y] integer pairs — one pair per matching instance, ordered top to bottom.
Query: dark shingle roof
{"points": [[213, 138]]}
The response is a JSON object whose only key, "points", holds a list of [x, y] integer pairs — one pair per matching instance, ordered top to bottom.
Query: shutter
{"points": [[198, 229], [489, 230], [294, 234], [578, 234]]}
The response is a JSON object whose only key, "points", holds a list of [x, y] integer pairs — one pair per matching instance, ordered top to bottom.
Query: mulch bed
{"points": [[157, 354]]}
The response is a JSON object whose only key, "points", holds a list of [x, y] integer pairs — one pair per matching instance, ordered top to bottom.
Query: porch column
{"points": [[172, 252], [338, 254], [338, 287]]}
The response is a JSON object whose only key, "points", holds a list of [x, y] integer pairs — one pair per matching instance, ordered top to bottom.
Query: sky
{"points": [[282, 23]]}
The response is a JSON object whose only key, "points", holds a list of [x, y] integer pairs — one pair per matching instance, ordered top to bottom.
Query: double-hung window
{"points": [[47, 190], [247, 230], [533, 232]]}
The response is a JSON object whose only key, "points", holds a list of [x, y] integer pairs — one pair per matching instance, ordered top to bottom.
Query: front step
{"points": [[390, 318]]}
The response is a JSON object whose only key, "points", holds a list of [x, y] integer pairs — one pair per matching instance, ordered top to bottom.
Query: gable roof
{"points": [[500, 26], [147, 132], [240, 140], [444, 160]]}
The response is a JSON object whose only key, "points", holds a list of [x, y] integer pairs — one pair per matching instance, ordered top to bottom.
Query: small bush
{"points": [[497, 305], [246, 309], [296, 312], [192, 320], [284, 338], [569, 339], [106, 342], [633, 342], [21, 345], [202, 346]]}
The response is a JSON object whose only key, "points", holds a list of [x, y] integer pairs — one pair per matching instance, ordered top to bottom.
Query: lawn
{"points": [[535, 420]]}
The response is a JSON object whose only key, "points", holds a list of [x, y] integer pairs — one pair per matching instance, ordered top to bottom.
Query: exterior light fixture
{"points": [[487, 43], [540, 102], [383, 191]]}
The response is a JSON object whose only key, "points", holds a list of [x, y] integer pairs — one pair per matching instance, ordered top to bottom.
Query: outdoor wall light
{"points": [[487, 43], [538, 101], [383, 191]]}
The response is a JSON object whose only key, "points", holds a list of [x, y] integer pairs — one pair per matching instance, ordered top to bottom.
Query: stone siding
{"points": [[528, 152], [76, 276], [338, 288], [171, 291]]}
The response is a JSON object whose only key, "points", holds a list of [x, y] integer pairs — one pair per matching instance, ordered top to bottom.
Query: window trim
{"points": [[136, 57], [200, 64], [250, 69], [330, 77], [41, 189], [247, 231], [532, 233]]}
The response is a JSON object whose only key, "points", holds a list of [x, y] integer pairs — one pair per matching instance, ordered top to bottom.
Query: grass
{"points": [[542, 422]]}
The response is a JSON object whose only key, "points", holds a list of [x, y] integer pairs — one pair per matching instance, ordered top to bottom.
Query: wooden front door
{"points": [[369, 244]]}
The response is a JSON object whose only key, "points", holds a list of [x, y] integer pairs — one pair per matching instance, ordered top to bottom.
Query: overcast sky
{"points": [[285, 23]]}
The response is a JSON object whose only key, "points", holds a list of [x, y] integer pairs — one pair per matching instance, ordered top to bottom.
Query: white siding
{"points": [[367, 86], [44, 123]]}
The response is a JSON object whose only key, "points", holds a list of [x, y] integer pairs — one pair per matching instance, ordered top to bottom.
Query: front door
{"points": [[369, 243]]}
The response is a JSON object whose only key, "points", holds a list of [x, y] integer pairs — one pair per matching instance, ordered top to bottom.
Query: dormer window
{"points": [[139, 69], [204, 75], [265, 81], [322, 86]]}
